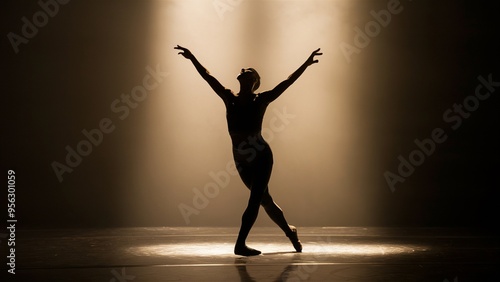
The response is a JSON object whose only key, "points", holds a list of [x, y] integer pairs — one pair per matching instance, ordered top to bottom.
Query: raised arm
{"points": [[212, 81], [280, 88]]}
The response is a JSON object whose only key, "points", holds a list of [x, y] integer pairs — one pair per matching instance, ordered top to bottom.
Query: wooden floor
{"points": [[206, 254]]}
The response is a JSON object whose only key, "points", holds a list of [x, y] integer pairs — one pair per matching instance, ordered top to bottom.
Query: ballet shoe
{"points": [[294, 238], [245, 251]]}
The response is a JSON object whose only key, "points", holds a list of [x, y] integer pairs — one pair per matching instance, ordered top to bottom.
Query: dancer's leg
{"points": [[257, 176], [276, 214], [247, 221]]}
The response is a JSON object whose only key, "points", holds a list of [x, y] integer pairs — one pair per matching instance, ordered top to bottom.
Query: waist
{"points": [[241, 138]]}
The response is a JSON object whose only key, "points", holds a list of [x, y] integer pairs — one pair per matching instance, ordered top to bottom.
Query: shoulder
{"points": [[227, 95], [264, 97]]}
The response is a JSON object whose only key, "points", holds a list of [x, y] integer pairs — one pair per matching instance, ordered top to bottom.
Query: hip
{"points": [[251, 148]]}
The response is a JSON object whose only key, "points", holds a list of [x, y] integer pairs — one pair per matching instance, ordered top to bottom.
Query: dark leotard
{"points": [[245, 116], [252, 154]]}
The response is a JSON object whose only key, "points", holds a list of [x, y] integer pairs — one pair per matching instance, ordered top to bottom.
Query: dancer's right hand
{"points": [[184, 52]]}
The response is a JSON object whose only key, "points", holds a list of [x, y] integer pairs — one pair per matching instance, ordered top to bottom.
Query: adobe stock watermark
{"points": [[223, 6], [30, 27], [363, 37], [121, 107], [454, 116], [222, 178], [121, 276], [454, 280]]}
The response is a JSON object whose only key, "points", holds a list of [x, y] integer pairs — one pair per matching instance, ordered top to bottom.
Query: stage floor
{"points": [[206, 254]]}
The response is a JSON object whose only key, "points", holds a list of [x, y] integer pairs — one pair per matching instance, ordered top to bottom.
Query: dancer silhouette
{"points": [[252, 155]]}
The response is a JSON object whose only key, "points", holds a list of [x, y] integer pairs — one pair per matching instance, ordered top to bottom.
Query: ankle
{"points": [[292, 231]]}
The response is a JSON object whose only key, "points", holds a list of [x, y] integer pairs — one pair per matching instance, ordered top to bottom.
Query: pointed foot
{"points": [[294, 238]]}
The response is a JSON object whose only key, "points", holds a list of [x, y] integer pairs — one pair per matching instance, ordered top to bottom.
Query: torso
{"points": [[245, 116], [244, 121]]}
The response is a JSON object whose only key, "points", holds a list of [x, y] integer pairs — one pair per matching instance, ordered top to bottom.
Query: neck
{"points": [[245, 91]]}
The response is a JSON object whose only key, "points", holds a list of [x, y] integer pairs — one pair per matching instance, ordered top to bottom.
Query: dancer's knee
{"points": [[266, 202]]}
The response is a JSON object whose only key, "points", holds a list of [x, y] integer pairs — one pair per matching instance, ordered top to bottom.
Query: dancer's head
{"points": [[250, 78]]}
